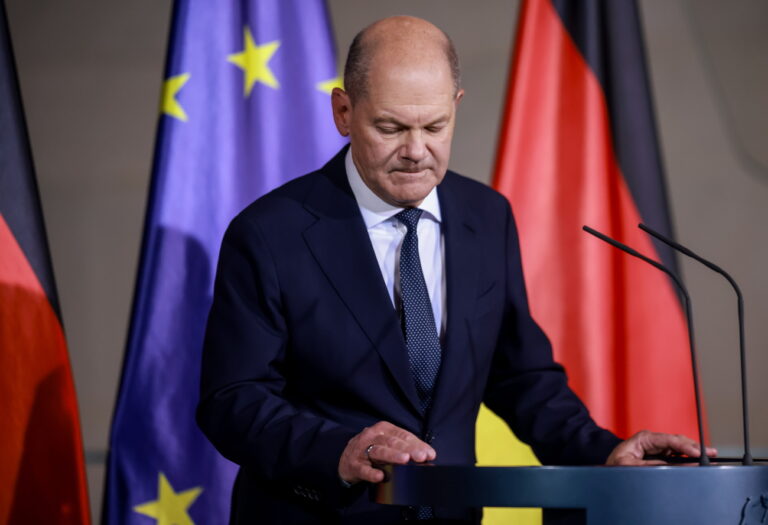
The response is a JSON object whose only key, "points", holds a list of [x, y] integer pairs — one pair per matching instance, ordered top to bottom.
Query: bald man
{"points": [[363, 312]]}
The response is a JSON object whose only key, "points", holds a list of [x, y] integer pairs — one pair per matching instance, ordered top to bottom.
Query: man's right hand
{"points": [[391, 445]]}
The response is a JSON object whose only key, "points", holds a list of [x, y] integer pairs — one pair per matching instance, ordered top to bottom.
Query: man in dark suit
{"points": [[363, 312]]}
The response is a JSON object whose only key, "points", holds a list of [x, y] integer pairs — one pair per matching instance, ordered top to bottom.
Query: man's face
{"points": [[401, 129]]}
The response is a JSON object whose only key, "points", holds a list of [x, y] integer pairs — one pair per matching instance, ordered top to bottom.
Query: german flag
{"points": [[578, 146], [41, 457]]}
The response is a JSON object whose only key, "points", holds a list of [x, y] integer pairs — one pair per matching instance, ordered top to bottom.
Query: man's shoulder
{"points": [[463, 182], [473, 193], [285, 196], [281, 203]]}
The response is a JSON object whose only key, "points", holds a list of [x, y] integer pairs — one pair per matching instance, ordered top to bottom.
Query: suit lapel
{"points": [[341, 245], [461, 288]]}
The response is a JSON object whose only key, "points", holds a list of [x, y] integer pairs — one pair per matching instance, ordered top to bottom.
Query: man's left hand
{"points": [[634, 450]]}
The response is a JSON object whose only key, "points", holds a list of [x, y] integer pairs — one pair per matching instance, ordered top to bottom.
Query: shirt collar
{"points": [[375, 210]]}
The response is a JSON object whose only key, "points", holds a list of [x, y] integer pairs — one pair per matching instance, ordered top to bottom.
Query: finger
{"points": [[388, 429], [399, 439], [409, 440], [656, 443], [678, 444], [384, 445], [416, 448], [690, 448], [696, 450], [709, 451], [422, 453], [382, 454], [370, 474]]}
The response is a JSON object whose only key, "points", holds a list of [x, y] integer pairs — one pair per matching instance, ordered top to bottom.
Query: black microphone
{"points": [[703, 459], [747, 460]]}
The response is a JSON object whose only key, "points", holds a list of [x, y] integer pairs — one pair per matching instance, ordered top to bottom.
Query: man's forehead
{"points": [[387, 57], [426, 76], [409, 102]]}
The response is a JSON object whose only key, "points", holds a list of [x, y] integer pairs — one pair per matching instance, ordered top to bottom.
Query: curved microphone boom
{"points": [[703, 459], [747, 460]]}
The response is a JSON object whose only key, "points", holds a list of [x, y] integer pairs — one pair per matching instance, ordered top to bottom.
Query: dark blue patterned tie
{"points": [[418, 319], [421, 336]]}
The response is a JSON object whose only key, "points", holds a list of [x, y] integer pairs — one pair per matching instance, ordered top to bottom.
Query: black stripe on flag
{"points": [[608, 35], [19, 200]]}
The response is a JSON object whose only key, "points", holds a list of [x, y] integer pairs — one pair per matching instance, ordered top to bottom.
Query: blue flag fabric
{"points": [[245, 108]]}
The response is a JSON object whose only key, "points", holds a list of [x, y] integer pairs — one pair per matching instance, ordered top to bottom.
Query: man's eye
{"points": [[434, 129], [387, 130]]}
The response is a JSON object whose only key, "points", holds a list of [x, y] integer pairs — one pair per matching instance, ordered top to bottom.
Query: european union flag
{"points": [[245, 107]]}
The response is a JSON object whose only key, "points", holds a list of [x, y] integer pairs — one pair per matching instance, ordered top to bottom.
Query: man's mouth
{"points": [[409, 171]]}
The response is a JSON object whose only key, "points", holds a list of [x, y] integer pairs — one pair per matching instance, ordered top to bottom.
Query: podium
{"points": [[680, 495]]}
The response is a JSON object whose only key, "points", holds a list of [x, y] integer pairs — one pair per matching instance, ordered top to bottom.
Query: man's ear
{"points": [[458, 98], [342, 110]]}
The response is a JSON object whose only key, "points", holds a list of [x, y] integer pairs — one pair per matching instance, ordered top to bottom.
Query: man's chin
{"points": [[409, 199]]}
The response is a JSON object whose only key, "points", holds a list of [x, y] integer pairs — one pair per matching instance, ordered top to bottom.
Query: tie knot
{"points": [[409, 217]]}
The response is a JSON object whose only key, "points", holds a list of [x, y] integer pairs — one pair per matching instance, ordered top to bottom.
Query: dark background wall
{"points": [[91, 71]]}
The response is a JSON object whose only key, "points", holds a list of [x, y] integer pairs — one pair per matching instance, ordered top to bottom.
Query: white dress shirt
{"points": [[387, 234]]}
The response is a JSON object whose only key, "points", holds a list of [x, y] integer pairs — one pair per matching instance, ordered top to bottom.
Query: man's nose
{"points": [[414, 148]]}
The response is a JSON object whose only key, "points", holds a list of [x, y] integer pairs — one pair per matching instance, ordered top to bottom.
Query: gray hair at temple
{"points": [[359, 59]]}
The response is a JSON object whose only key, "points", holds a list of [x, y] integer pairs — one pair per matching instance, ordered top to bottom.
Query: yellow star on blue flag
{"points": [[254, 61], [171, 87], [170, 507]]}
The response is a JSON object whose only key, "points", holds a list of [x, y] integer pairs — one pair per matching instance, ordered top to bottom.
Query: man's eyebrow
{"points": [[387, 120], [392, 120], [439, 120]]}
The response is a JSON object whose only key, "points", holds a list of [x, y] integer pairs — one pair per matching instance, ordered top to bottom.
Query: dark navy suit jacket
{"points": [[304, 349]]}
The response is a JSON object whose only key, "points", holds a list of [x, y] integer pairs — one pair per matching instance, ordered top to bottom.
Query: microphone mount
{"points": [[703, 458], [748, 459]]}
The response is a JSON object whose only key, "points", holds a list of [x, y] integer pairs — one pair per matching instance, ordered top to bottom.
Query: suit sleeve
{"points": [[529, 390], [244, 409]]}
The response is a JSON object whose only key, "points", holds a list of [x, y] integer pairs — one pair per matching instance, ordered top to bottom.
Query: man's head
{"points": [[399, 109]]}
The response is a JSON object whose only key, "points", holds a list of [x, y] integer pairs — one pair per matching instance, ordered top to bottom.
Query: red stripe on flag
{"points": [[614, 322], [41, 458]]}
